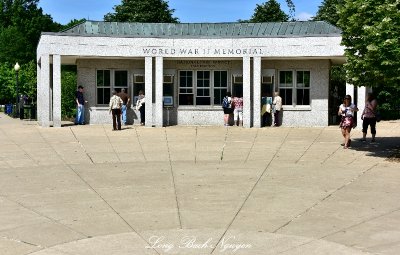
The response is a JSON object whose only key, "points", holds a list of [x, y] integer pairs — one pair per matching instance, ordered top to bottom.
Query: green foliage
{"points": [[156, 11], [328, 11], [269, 12], [21, 23], [73, 23], [371, 32], [26, 82], [68, 88]]}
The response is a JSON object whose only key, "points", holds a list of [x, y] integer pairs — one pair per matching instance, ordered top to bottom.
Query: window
{"points": [[107, 80], [121, 81], [103, 86], [220, 86], [185, 87], [202, 87], [303, 88], [294, 90]]}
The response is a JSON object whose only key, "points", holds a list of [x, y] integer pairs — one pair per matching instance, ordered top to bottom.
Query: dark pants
{"points": [[142, 114], [116, 115], [276, 118], [371, 122]]}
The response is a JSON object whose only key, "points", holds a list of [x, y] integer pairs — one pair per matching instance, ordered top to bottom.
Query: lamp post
{"points": [[16, 68]]}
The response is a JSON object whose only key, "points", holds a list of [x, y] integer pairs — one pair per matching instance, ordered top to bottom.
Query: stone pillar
{"points": [[56, 90], [350, 90], [38, 91], [149, 91], [44, 92], [159, 92], [246, 92], [257, 92], [361, 95]]}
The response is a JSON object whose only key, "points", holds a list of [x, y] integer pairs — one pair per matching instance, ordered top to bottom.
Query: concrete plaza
{"points": [[79, 190]]}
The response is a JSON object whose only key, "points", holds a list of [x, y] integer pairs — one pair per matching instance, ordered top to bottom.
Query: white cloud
{"points": [[303, 16]]}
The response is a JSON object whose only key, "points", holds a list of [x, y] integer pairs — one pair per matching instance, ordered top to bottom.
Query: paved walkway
{"points": [[80, 190]]}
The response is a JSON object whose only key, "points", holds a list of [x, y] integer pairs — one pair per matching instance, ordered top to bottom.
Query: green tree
{"points": [[156, 11], [328, 11], [269, 12], [21, 23], [73, 23], [371, 32], [68, 88]]}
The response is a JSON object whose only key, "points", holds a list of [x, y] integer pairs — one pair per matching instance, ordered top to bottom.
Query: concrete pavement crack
{"points": [[140, 144], [252, 145], [112, 146], [309, 146], [83, 147], [223, 147], [173, 179], [250, 192], [323, 199]]}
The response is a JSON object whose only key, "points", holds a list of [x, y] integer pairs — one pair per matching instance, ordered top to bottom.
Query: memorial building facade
{"points": [[186, 69]]}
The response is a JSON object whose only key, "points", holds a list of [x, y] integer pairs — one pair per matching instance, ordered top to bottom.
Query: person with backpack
{"points": [[227, 106]]}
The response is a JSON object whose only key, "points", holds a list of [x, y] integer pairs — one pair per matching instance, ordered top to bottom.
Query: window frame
{"points": [[111, 86], [294, 87], [211, 88]]}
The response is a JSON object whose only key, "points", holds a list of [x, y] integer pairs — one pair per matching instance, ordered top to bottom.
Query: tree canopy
{"points": [[156, 11], [328, 11], [269, 12], [21, 23], [371, 32]]}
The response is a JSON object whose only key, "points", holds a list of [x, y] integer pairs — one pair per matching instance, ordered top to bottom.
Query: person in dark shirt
{"points": [[126, 101], [80, 103]]}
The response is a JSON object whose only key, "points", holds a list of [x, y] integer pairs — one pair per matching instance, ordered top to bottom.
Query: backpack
{"points": [[226, 103]]}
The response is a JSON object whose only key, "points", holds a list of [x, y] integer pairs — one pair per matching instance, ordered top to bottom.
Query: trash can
{"points": [[9, 108]]}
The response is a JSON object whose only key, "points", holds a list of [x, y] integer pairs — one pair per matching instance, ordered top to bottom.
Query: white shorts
{"points": [[238, 113]]}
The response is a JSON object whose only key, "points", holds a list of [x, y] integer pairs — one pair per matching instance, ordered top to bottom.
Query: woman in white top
{"points": [[277, 104], [347, 110]]}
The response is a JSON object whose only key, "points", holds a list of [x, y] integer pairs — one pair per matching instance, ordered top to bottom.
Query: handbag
{"points": [[378, 116]]}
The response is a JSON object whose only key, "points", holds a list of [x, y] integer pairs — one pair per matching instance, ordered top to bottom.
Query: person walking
{"points": [[126, 101], [80, 103], [277, 105], [140, 106], [115, 108], [347, 110], [369, 117]]}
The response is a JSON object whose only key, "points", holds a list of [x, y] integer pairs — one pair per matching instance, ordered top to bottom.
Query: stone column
{"points": [[56, 90], [350, 90], [38, 91], [149, 91], [44, 92], [159, 92], [246, 92], [257, 92], [361, 94]]}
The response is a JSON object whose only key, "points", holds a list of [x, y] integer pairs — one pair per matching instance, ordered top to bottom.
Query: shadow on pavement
{"points": [[384, 147]]}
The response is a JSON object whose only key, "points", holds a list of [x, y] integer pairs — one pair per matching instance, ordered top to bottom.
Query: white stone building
{"points": [[186, 69]]}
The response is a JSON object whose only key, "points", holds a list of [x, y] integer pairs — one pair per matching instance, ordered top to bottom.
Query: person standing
{"points": [[126, 101], [80, 103], [277, 104], [140, 106], [227, 106], [115, 108], [238, 110], [347, 110], [369, 117]]}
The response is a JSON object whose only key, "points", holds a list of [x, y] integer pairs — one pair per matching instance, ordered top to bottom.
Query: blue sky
{"points": [[63, 11]]}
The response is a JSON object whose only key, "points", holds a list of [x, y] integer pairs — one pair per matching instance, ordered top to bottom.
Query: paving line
{"points": [[140, 144], [252, 145], [112, 146], [309, 146], [83, 147], [195, 147], [223, 147], [25, 152], [173, 179], [251, 191], [325, 198], [112, 208]]}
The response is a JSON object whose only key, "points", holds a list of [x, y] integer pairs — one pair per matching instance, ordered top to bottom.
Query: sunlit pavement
{"points": [[197, 190]]}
